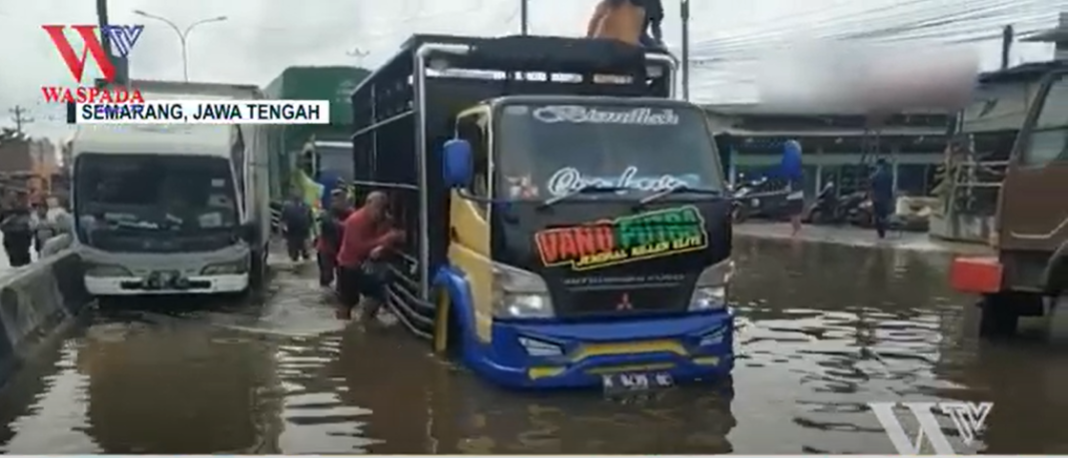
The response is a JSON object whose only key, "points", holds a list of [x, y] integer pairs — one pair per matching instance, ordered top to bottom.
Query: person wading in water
{"points": [[330, 230], [367, 236]]}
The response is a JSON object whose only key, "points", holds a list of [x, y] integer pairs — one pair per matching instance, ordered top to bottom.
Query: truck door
{"points": [[1033, 209]]}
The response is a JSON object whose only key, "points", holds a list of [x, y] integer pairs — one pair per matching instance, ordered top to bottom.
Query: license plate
{"points": [[639, 381]]}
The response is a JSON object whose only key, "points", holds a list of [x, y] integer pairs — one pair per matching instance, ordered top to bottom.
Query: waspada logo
{"points": [[122, 38]]}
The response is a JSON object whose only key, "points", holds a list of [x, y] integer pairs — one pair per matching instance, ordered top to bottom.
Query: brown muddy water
{"points": [[823, 329]]}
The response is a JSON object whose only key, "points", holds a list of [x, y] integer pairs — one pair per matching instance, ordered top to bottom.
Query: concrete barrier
{"points": [[34, 300]]}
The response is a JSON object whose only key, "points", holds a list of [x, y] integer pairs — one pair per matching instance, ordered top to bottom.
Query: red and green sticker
{"points": [[631, 238]]}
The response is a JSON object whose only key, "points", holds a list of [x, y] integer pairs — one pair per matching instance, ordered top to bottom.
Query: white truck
{"points": [[172, 209]]}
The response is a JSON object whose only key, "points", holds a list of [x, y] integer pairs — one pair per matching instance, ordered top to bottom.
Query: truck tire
{"points": [[258, 273], [1056, 275], [998, 316]]}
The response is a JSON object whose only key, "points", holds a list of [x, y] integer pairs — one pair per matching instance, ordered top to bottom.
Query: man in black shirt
{"points": [[18, 232]]}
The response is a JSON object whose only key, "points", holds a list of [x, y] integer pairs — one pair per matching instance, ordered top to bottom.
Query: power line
{"points": [[861, 25], [955, 27], [17, 115]]}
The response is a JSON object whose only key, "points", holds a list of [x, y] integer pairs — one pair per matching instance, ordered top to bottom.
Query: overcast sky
{"points": [[262, 37]]}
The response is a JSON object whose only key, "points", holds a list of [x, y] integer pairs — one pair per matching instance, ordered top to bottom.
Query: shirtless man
{"points": [[622, 20]]}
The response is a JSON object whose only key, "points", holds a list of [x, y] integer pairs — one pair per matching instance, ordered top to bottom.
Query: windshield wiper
{"points": [[588, 189], [679, 189]]}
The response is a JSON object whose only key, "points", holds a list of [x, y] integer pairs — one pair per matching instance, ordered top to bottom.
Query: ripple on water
{"points": [[822, 330]]}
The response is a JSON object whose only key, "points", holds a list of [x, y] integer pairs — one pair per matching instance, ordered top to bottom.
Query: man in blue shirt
{"points": [[792, 172], [882, 196], [297, 223]]}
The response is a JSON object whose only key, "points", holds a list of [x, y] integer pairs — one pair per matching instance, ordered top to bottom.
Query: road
{"points": [[823, 329]]}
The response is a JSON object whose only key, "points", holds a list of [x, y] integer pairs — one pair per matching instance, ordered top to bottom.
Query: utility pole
{"points": [[684, 9], [524, 16], [1007, 37], [18, 115]]}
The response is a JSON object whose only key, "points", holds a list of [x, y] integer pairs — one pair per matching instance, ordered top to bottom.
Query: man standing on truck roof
{"points": [[654, 15], [622, 20], [366, 238]]}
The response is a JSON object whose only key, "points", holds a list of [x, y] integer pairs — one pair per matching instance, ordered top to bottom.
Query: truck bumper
{"points": [[134, 286], [688, 348]]}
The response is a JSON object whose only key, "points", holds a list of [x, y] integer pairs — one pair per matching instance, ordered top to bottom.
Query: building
{"points": [[986, 134], [838, 147], [28, 164]]}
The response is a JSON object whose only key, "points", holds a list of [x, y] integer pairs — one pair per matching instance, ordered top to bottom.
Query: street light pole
{"points": [[684, 8], [524, 16], [182, 35]]}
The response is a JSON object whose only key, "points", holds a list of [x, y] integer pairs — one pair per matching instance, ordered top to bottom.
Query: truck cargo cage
{"points": [[404, 111]]}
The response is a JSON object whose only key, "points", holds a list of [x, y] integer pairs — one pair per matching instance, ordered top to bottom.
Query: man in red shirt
{"points": [[366, 237]]}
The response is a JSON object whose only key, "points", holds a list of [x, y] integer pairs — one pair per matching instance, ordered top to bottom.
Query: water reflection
{"points": [[823, 330], [175, 387]]}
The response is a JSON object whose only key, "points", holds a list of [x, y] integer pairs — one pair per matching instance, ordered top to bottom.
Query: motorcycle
{"points": [[742, 206], [827, 208], [857, 209]]}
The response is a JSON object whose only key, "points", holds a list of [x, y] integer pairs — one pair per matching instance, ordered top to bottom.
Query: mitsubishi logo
{"points": [[624, 303]]}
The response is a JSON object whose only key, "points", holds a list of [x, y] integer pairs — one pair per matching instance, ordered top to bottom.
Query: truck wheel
{"points": [[258, 274], [999, 318]]}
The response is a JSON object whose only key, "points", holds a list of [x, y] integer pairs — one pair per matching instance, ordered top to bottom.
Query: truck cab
{"points": [[324, 159], [172, 208], [157, 209], [568, 222], [1029, 273]]}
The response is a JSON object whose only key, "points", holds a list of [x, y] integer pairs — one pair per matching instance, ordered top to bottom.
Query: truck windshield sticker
{"points": [[579, 114], [569, 179], [630, 238]]}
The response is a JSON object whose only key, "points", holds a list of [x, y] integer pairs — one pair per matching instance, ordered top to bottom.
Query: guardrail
{"points": [[34, 300]]}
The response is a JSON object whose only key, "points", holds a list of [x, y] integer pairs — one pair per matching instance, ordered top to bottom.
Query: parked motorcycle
{"points": [[741, 206], [826, 209], [858, 209]]}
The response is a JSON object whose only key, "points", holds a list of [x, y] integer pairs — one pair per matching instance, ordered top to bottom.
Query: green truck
{"points": [[287, 142]]}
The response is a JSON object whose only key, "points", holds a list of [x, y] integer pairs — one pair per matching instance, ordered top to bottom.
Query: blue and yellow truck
{"points": [[569, 223]]}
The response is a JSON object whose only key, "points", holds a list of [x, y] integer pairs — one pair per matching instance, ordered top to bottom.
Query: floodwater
{"points": [[823, 329]]}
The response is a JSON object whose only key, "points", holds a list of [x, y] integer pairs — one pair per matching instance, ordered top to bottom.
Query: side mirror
{"points": [[456, 165]]}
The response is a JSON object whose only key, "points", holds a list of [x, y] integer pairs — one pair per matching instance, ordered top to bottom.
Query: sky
{"points": [[260, 38]]}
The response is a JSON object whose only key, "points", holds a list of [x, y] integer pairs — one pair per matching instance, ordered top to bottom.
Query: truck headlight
{"points": [[226, 268], [106, 270], [710, 290], [518, 293], [535, 347]]}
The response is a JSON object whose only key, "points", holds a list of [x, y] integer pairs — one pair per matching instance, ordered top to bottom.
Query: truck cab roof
{"points": [[589, 100], [163, 139]]}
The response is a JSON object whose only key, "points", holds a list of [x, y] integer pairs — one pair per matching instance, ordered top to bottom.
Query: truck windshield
{"points": [[1049, 138], [548, 150], [336, 160], [122, 202]]}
